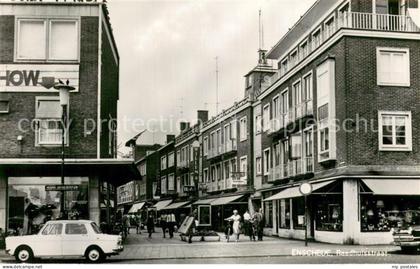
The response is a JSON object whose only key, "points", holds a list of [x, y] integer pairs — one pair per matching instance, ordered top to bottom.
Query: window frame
{"points": [[47, 28], [379, 79], [7, 106], [266, 123], [243, 133], [409, 143], [266, 162], [258, 166], [245, 173]]}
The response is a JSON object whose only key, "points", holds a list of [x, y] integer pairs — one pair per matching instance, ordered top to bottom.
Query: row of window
{"points": [[167, 161], [226, 170], [167, 183]]}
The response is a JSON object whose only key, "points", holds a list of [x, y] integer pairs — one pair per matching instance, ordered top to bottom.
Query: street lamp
{"points": [[64, 93], [306, 189]]}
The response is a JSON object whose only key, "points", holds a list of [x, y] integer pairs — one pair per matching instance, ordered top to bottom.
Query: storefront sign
{"points": [[36, 78], [61, 187], [189, 189]]}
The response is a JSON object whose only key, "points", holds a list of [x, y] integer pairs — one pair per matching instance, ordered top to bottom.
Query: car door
{"points": [[75, 239], [49, 241]]}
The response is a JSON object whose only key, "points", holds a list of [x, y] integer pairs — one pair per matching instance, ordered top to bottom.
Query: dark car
{"points": [[407, 235]]}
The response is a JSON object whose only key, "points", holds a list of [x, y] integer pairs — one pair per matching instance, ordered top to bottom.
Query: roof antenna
{"points": [[217, 85]]}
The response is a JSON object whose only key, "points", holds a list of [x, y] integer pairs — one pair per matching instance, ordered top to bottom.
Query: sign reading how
{"points": [[36, 78], [61, 187]]}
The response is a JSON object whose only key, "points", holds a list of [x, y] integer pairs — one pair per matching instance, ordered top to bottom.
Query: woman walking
{"points": [[236, 218]]}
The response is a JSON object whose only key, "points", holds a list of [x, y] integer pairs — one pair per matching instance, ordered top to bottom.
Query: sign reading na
{"points": [[36, 78], [61, 187]]}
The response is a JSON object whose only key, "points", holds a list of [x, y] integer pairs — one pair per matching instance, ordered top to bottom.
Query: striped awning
{"points": [[393, 186], [293, 192], [226, 200], [204, 201], [162, 204], [175, 205], [136, 207]]}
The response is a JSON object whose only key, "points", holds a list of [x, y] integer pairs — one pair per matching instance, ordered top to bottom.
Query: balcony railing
{"points": [[348, 20], [302, 110], [278, 123], [227, 147], [182, 164], [291, 169]]}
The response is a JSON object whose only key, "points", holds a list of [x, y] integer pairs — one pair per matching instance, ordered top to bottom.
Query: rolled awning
{"points": [[393, 186], [294, 191], [226, 200], [204, 201], [162, 204], [175, 205], [136, 207]]}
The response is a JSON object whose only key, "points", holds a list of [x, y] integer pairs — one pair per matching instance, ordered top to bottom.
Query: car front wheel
{"points": [[24, 254], [94, 254]]}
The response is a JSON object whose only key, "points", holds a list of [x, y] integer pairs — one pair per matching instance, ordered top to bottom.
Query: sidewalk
{"points": [[139, 247]]}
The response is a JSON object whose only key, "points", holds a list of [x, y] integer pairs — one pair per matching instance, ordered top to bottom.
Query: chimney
{"points": [[202, 116], [183, 126], [170, 138]]}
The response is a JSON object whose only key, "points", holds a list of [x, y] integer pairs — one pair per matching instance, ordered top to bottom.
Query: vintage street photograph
{"points": [[206, 132]]}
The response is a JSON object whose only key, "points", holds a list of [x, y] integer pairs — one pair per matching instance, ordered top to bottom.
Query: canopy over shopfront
{"points": [[116, 171], [393, 186], [293, 192], [226, 200], [204, 201], [162, 204], [175, 205], [136, 207]]}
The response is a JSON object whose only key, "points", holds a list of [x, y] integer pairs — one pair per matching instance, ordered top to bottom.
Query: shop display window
{"points": [[35, 200], [298, 212], [284, 213], [329, 213], [382, 213], [204, 215]]}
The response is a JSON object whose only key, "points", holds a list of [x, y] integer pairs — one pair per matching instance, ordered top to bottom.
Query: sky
{"points": [[168, 53]]}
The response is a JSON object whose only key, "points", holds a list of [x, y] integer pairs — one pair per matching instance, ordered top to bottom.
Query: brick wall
{"points": [[83, 104]]}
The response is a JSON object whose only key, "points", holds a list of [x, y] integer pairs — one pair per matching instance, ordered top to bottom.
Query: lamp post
{"points": [[64, 93], [306, 189]]}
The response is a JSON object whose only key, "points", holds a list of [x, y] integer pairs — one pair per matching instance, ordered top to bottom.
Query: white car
{"points": [[65, 239]]}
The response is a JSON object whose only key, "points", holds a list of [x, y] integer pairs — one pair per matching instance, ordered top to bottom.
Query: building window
{"points": [[330, 26], [316, 38], [47, 39], [304, 49], [294, 57], [284, 66], [393, 67], [307, 87], [284, 102], [4, 106], [275, 107], [48, 114], [266, 117], [258, 124], [243, 129], [395, 131], [324, 139], [205, 146], [178, 157], [171, 159], [266, 161], [163, 163], [258, 165], [244, 166], [227, 169], [171, 182], [163, 185], [284, 215]]}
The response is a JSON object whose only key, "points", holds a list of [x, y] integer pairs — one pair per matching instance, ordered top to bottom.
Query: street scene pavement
{"points": [[138, 248]]}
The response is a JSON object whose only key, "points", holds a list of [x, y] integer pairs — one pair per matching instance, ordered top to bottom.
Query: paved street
{"points": [[140, 249]]}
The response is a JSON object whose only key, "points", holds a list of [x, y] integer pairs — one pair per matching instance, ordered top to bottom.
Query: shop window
{"points": [[47, 40], [393, 66], [395, 131], [32, 202], [298, 205], [329, 212], [268, 213], [381, 213], [204, 215], [284, 216]]}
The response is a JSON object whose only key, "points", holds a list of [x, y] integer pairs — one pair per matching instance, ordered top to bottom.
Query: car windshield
{"points": [[96, 228]]}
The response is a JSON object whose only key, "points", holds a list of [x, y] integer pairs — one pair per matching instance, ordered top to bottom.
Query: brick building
{"points": [[62, 41], [340, 113]]}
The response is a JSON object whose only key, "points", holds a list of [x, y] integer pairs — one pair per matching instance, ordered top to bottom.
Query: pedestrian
{"points": [[137, 220], [171, 222], [126, 224], [163, 224], [259, 224], [150, 225], [236, 226], [248, 226], [191, 230]]}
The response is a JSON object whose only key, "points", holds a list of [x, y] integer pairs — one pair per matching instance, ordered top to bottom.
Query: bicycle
{"points": [[228, 230]]}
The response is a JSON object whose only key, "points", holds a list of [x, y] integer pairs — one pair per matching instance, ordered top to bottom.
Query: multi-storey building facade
{"points": [[42, 43], [340, 114]]}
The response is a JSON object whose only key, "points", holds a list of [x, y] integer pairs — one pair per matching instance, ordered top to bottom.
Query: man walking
{"points": [[170, 222], [248, 222], [259, 223], [163, 224]]}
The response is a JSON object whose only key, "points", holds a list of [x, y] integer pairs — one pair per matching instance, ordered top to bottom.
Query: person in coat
{"points": [[150, 225]]}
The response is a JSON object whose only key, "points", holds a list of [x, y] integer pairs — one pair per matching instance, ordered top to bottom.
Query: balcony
{"points": [[347, 20], [302, 110], [276, 124], [227, 147], [183, 164], [291, 169]]}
